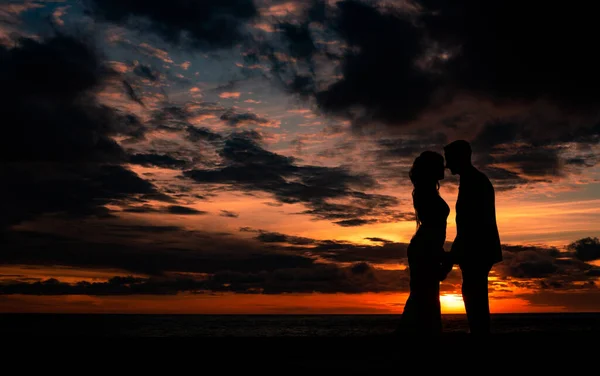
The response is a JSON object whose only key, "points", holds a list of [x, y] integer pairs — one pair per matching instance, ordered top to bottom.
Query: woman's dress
{"points": [[422, 312]]}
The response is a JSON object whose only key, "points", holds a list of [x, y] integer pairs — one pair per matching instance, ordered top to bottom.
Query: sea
{"points": [[151, 325]]}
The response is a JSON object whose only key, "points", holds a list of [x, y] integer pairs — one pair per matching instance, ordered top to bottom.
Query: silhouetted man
{"points": [[476, 247]]}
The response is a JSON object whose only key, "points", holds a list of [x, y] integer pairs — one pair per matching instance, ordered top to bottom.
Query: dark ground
{"points": [[58, 344]]}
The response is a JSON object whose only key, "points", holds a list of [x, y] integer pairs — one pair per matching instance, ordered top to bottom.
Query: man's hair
{"points": [[459, 148]]}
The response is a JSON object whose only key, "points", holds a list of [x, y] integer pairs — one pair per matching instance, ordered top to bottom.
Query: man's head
{"points": [[458, 156]]}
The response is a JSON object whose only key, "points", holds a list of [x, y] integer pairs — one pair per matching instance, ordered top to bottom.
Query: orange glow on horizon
{"points": [[229, 303], [452, 303]]}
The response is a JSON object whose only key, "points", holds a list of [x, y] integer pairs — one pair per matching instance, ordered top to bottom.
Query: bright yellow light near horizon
{"points": [[452, 303]]}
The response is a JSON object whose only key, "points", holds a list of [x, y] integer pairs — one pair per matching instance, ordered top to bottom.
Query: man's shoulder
{"points": [[480, 177], [477, 179]]}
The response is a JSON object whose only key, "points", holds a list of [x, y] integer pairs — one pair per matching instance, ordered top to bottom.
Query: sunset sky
{"points": [[252, 156]]}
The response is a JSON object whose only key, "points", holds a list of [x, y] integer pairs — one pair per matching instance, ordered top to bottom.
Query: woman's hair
{"points": [[424, 178]]}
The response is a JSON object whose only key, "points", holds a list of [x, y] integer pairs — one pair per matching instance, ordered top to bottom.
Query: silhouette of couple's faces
{"points": [[457, 158]]}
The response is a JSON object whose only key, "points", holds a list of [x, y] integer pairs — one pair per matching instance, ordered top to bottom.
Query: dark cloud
{"points": [[209, 24], [502, 50], [419, 57], [452, 68], [144, 71], [379, 78], [132, 93], [50, 110], [178, 118], [234, 119], [196, 134], [494, 134], [202, 146], [409, 146], [198, 147], [57, 152], [509, 152], [529, 153], [159, 160], [578, 161], [536, 162], [248, 166], [503, 179], [141, 209], [171, 209], [183, 210], [229, 214], [346, 214], [355, 222], [122, 228], [276, 237], [379, 240], [165, 249], [586, 249], [338, 251], [341, 251], [176, 260], [529, 262], [525, 266], [538, 267], [595, 272], [320, 278], [118, 285], [578, 300]]}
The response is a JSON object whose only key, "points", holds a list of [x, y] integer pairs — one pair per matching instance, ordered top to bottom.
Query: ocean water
{"points": [[114, 325]]}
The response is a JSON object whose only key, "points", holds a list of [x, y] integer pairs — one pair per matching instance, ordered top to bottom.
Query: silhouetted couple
{"points": [[475, 249]]}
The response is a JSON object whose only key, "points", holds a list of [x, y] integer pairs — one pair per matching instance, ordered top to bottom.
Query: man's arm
{"points": [[455, 250], [448, 260], [446, 264]]}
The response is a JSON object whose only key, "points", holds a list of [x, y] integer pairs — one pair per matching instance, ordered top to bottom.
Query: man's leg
{"points": [[476, 299]]}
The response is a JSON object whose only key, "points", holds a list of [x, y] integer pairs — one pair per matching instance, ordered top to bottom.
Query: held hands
{"points": [[446, 265], [445, 268]]}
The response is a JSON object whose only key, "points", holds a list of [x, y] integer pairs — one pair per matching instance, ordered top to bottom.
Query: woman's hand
{"points": [[445, 269]]}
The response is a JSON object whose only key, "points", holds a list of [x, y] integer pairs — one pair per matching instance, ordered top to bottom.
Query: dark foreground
{"points": [[275, 326], [295, 345], [449, 354]]}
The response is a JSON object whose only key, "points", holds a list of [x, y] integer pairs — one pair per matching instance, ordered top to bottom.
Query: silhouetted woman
{"points": [[422, 312]]}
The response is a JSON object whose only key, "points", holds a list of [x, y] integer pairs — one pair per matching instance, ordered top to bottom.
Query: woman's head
{"points": [[427, 170]]}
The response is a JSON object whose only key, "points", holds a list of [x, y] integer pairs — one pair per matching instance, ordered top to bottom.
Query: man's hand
{"points": [[445, 269]]}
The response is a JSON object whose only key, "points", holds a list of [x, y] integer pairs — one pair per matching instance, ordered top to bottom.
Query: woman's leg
{"points": [[432, 312], [411, 315]]}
